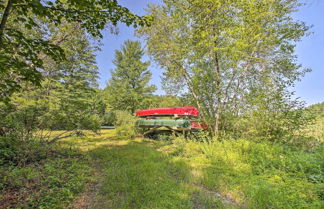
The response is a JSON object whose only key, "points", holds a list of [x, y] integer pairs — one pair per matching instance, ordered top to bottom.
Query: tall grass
{"points": [[259, 174]]}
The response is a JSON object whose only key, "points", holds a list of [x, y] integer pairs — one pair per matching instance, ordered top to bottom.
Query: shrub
{"points": [[109, 118], [276, 118], [90, 122], [125, 124], [17, 152], [51, 183]]}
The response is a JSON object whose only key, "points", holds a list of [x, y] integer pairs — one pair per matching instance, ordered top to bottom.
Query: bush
{"points": [[276, 117], [109, 118], [20, 122], [24, 122], [90, 122], [125, 124], [14, 151], [51, 183]]}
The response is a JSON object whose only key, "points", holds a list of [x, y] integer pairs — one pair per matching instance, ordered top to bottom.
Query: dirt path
{"points": [[88, 199]]}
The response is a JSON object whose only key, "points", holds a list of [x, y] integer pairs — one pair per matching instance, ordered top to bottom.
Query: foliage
{"points": [[223, 52], [22, 55], [234, 60], [69, 87], [128, 88], [68, 98], [159, 101], [317, 109], [276, 117], [25, 119], [109, 119], [20, 122], [125, 124], [315, 130], [16, 152], [227, 174], [255, 174], [37, 175]]}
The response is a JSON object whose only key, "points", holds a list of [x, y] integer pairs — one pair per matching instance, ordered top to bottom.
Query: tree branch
{"points": [[4, 20], [61, 136]]}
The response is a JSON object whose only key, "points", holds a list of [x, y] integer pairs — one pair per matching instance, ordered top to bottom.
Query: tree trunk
{"points": [[4, 20], [218, 108], [216, 125]]}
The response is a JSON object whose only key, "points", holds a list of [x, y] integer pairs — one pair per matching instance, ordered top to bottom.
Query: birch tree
{"points": [[221, 51]]}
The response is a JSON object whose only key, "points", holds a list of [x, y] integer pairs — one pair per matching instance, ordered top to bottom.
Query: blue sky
{"points": [[310, 50]]}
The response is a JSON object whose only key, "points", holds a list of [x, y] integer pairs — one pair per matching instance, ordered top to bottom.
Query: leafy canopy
{"points": [[224, 52], [21, 55], [67, 99]]}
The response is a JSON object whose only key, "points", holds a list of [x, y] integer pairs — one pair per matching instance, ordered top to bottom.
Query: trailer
{"points": [[171, 120]]}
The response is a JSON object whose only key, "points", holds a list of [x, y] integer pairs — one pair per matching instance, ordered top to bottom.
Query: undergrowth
{"points": [[145, 173], [256, 174], [37, 175]]}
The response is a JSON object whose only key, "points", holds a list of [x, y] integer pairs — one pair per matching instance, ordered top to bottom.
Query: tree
{"points": [[221, 52], [21, 55], [70, 86], [128, 88], [68, 99], [160, 101]]}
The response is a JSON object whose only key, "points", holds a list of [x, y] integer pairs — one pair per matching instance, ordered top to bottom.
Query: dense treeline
{"points": [[26, 38], [48, 70]]}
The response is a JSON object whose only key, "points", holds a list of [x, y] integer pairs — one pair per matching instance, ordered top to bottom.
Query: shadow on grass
{"points": [[262, 175], [137, 176]]}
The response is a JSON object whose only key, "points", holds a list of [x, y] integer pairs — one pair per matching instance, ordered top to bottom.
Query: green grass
{"points": [[101, 171], [134, 174], [258, 175], [139, 177], [52, 180]]}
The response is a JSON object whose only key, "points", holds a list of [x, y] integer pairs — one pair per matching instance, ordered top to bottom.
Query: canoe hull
{"points": [[187, 111], [153, 123], [179, 124]]}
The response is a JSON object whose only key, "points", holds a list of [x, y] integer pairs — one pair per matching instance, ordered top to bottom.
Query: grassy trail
{"points": [[101, 171], [144, 173], [138, 174]]}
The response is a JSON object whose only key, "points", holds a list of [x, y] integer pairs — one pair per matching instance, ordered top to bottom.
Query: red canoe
{"points": [[170, 111]]}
